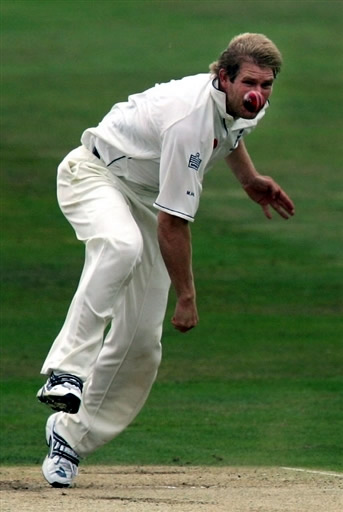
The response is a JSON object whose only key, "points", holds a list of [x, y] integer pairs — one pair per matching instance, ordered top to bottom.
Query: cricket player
{"points": [[131, 192]]}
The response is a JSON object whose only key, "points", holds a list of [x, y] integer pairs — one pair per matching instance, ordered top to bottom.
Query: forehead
{"points": [[251, 70]]}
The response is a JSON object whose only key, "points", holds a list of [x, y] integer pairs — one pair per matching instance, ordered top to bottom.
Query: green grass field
{"points": [[259, 382]]}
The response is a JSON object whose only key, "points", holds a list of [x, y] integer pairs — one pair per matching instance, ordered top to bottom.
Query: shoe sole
{"points": [[68, 403], [54, 484]]}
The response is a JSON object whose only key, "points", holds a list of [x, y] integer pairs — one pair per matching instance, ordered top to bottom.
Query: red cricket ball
{"points": [[253, 101]]}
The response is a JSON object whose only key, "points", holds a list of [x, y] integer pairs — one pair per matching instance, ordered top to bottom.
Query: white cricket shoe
{"points": [[62, 392], [60, 466]]}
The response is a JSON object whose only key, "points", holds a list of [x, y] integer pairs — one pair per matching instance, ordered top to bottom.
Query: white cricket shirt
{"points": [[167, 137]]}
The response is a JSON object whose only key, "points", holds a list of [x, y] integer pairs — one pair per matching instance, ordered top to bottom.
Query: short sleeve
{"points": [[184, 155]]}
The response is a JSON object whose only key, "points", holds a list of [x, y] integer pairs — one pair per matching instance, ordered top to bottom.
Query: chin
{"points": [[248, 115]]}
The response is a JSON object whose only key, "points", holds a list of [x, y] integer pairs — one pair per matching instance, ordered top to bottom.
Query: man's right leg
{"points": [[102, 219], [127, 365], [121, 378]]}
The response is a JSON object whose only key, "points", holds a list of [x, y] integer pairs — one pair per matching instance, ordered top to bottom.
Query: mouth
{"points": [[253, 102]]}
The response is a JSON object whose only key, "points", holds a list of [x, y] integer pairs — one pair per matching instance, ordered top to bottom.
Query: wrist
{"points": [[186, 297]]}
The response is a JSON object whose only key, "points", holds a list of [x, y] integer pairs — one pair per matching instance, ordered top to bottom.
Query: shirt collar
{"points": [[219, 98]]}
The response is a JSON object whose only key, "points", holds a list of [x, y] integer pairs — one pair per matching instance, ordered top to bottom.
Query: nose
{"points": [[260, 89]]}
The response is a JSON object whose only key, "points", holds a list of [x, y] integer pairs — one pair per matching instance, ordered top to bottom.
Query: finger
{"points": [[274, 190], [279, 196], [286, 202], [266, 211], [283, 212], [181, 327], [185, 329]]}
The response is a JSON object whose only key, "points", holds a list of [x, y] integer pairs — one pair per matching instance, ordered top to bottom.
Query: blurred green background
{"points": [[259, 381]]}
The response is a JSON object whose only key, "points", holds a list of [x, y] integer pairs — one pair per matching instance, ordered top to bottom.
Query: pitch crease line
{"points": [[325, 473]]}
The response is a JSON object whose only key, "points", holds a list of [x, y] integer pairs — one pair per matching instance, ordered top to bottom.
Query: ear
{"points": [[223, 78]]}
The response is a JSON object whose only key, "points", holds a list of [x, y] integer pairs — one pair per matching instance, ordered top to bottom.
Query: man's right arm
{"points": [[175, 242]]}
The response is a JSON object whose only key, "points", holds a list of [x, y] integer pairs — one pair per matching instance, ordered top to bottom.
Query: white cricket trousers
{"points": [[124, 286]]}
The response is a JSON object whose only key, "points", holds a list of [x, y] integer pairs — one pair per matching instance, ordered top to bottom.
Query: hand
{"points": [[266, 192], [185, 315]]}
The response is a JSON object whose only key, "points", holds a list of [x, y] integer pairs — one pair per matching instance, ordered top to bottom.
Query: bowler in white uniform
{"points": [[130, 191]]}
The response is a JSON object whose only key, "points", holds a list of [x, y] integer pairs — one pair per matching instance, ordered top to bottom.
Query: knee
{"points": [[130, 248], [115, 254], [147, 350]]}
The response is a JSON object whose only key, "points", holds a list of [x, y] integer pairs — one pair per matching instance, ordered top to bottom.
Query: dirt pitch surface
{"points": [[174, 489]]}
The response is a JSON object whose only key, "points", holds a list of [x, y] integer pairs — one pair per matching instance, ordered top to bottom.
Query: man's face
{"points": [[250, 78]]}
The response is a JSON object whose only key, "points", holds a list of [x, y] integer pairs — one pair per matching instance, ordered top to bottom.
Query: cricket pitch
{"points": [[174, 489]]}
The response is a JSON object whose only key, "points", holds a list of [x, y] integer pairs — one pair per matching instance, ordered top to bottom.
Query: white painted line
{"points": [[325, 473]]}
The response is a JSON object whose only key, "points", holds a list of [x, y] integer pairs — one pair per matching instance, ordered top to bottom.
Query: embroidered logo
{"points": [[194, 161], [60, 471]]}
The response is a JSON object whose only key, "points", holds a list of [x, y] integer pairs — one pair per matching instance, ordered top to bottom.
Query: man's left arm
{"points": [[261, 189]]}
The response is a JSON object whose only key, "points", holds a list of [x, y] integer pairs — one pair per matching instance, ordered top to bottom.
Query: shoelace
{"points": [[63, 378]]}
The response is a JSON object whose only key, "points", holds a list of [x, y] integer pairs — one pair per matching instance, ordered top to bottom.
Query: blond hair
{"points": [[256, 48]]}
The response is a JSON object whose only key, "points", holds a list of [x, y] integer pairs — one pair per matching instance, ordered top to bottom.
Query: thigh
{"points": [[92, 203], [146, 295]]}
